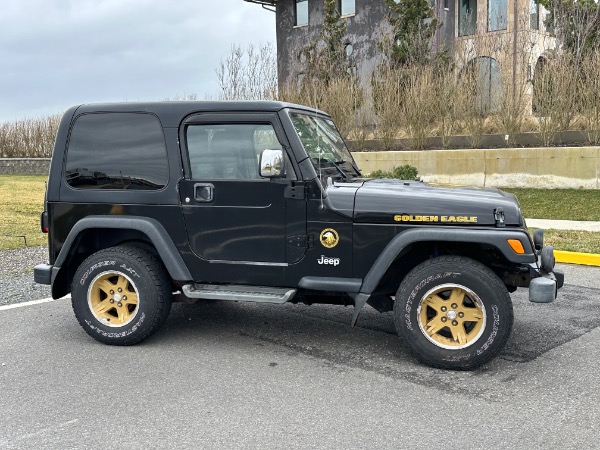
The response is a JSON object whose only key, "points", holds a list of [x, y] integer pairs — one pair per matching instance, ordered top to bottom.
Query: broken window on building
{"points": [[347, 7], [301, 13], [497, 15], [534, 15], [467, 17], [349, 49]]}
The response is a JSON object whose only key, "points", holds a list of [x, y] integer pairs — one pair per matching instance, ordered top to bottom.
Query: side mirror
{"points": [[271, 163]]}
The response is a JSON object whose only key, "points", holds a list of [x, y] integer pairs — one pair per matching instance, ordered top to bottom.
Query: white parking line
{"points": [[32, 302], [49, 430]]}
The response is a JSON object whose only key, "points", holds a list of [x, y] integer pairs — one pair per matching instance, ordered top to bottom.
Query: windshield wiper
{"points": [[334, 164], [337, 165], [357, 172]]}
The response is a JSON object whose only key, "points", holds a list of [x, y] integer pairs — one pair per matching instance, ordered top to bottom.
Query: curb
{"points": [[586, 259]]}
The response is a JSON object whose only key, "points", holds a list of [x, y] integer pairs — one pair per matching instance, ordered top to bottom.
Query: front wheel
{"points": [[121, 295], [453, 312]]}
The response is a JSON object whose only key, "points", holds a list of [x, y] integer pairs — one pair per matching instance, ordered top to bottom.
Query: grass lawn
{"points": [[22, 198], [21, 202], [558, 204], [563, 204]]}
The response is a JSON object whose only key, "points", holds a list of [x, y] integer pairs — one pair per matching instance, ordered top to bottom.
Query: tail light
{"points": [[44, 222]]}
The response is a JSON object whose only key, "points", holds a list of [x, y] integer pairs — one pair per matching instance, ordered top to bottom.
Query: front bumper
{"points": [[547, 280]]}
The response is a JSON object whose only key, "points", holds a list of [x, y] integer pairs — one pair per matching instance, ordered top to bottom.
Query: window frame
{"points": [[340, 4], [534, 12], [296, 15], [501, 21], [467, 27], [486, 72], [243, 118], [238, 162]]}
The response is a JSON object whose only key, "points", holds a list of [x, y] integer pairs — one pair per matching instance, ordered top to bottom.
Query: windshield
{"points": [[324, 145]]}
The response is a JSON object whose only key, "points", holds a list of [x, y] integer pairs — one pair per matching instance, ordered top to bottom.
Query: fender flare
{"points": [[152, 228], [496, 237]]}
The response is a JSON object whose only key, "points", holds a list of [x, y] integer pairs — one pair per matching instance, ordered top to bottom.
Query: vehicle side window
{"points": [[117, 151], [228, 151]]}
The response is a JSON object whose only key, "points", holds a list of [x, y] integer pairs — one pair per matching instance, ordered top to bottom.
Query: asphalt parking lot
{"points": [[233, 375]]}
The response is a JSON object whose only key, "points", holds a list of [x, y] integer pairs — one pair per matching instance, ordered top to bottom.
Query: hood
{"points": [[413, 202]]}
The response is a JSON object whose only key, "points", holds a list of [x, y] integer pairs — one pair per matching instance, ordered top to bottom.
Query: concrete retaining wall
{"points": [[24, 166], [557, 167]]}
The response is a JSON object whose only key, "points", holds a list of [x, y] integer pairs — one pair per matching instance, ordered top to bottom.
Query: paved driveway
{"points": [[232, 375]]}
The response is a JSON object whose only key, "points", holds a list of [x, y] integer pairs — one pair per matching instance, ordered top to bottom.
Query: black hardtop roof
{"points": [[171, 113]]}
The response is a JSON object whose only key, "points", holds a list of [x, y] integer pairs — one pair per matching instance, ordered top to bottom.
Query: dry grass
{"points": [[414, 102], [22, 200]]}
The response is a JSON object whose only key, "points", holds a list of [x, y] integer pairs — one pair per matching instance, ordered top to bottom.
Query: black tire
{"points": [[114, 274], [434, 302]]}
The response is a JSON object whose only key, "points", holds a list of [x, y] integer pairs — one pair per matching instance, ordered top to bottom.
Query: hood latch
{"points": [[499, 217]]}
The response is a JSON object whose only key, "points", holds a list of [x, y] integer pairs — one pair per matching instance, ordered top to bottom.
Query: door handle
{"points": [[204, 192]]}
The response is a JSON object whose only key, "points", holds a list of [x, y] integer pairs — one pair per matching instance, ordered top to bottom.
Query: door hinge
{"points": [[297, 192], [301, 241]]}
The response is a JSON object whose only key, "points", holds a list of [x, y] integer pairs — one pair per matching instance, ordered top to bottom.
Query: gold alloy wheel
{"points": [[113, 299], [451, 316]]}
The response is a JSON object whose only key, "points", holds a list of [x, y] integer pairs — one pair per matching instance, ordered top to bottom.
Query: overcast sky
{"points": [[58, 53]]}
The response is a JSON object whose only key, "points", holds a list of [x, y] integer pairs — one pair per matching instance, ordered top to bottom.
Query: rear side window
{"points": [[117, 151]]}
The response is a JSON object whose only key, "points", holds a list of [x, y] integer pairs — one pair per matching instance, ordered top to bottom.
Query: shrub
{"points": [[405, 172]]}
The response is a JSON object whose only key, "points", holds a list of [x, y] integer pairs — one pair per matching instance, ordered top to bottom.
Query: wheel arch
{"points": [[95, 233], [413, 246]]}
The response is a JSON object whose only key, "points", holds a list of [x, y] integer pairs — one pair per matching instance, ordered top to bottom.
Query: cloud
{"points": [[56, 53]]}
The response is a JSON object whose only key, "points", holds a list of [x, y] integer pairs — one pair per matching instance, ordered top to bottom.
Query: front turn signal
{"points": [[516, 245]]}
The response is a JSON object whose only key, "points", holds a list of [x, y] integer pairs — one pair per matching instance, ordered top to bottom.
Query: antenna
{"points": [[322, 206]]}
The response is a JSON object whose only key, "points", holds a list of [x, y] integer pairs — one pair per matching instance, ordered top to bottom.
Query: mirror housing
{"points": [[271, 164]]}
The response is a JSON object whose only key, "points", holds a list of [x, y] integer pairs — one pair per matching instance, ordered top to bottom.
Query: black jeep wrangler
{"points": [[263, 202]]}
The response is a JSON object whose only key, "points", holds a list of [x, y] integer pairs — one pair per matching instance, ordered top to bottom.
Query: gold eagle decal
{"points": [[329, 238]]}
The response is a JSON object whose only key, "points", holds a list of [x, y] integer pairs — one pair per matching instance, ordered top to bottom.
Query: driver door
{"points": [[233, 216]]}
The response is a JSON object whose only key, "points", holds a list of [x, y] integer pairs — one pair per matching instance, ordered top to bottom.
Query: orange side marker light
{"points": [[516, 245]]}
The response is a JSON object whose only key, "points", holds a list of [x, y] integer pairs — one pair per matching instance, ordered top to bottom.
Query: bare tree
{"points": [[576, 24], [248, 73], [29, 138]]}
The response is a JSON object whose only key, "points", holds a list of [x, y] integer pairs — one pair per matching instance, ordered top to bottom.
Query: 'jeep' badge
{"points": [[329, 238]]}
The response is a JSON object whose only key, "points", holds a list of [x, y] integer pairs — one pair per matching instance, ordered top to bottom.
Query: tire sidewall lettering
{"points": [[98, 265], [118, 266], [131, 271], [476, 277], [153, 287], [417, 289], [495, 327], [125, 333]]}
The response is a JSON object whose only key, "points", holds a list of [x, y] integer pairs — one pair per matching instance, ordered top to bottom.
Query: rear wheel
{"points": [[121, 295], [453, 312]]}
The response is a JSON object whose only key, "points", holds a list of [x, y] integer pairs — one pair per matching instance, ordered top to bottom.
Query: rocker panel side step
{"points": [[237, 293]]}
